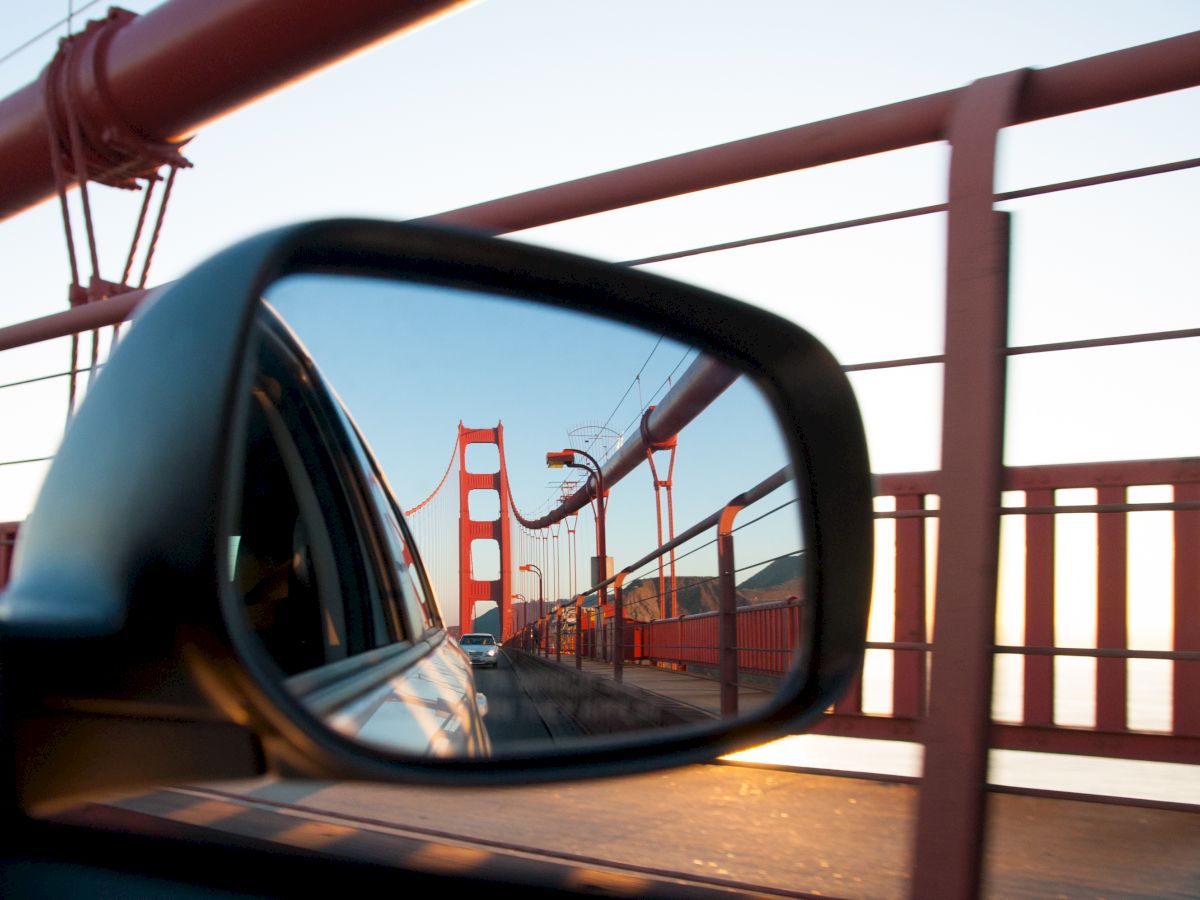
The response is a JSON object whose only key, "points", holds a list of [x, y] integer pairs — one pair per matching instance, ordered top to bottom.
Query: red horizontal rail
{"points": [[1129, 74], [913, 212], [1038, 730]]}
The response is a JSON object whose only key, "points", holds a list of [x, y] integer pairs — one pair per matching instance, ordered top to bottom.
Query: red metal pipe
{"points": [[176, 68], [1136, 72], [1129, 74], [82, 318], [704, 381], [727, 625], [950, 810]]}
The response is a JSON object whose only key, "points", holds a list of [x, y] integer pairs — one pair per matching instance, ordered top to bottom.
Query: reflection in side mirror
{"points": [[605, 516]]}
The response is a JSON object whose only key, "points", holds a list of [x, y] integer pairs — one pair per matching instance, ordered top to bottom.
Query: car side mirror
{"points": [[220, 576]]}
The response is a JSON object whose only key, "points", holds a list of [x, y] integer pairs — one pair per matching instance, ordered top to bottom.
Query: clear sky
{"points": [[507, 96]]}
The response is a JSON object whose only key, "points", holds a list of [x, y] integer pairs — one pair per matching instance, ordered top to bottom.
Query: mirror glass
{"points": [[476, 525]]}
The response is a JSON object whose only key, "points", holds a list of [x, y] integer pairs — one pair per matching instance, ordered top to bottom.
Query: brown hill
{"points": [[781, 579]]}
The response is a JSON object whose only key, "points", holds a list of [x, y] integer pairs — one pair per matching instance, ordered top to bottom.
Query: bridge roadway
{"points": [[681, 689], [512, 717], [695, 831], [702, 831]]}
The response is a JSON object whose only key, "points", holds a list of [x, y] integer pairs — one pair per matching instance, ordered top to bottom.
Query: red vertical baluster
{"points": [[1039, 609], [1112, 630], [908, 666], [1186, 689]]}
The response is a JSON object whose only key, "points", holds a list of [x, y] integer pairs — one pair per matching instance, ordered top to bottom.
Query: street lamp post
{"points": [[566, 457], [530, 567], [521, 597], [558, 620]]}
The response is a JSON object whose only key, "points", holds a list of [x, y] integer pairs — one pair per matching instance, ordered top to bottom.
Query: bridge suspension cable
{"points": [[445, 475], [434, 525]]}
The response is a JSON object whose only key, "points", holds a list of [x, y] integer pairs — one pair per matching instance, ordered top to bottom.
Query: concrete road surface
{"points": [[512, 718], [746, 827]]}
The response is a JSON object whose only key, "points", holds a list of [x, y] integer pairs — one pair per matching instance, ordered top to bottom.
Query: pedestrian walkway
{"points": [[679, 687]]}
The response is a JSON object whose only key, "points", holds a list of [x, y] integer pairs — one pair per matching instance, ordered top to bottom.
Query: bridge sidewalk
{"points": [[695, 691]]}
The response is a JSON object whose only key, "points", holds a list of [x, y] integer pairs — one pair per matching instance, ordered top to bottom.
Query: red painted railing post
{"points": [[1039, 609], [1112, 621], [619, 628], [727, 628], [579, 631], [679, 640], [793, 658], [908, 667], [1186, 715], [952, 803]]}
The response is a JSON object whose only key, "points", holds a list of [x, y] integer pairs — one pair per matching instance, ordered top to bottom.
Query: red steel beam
{"points": [[188, 62], [1137, 72], [1129, 74], [74, 321], [704, 380], [1122, 473], [950, 811]]}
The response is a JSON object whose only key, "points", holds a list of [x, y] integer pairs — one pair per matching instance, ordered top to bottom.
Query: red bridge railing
{"points": [[768, 635], [1112, 735]]}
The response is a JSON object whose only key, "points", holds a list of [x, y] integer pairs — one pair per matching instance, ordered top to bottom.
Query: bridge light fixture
{"points": [[559, 460]]}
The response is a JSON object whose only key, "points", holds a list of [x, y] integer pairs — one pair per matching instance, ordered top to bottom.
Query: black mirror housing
{"points": [[117, 625]]}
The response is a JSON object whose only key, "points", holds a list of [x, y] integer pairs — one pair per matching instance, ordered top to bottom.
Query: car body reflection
{"points": [[428, 707]]}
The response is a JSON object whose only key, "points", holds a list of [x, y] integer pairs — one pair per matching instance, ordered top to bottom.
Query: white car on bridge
{"points": [[481, 648]]}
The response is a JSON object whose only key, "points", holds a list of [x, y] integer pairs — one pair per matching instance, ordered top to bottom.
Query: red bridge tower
{"points": [[470, 589]]}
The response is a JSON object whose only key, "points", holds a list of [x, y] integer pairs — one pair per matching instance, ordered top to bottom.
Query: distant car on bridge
{"points": [[481, 648]]}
